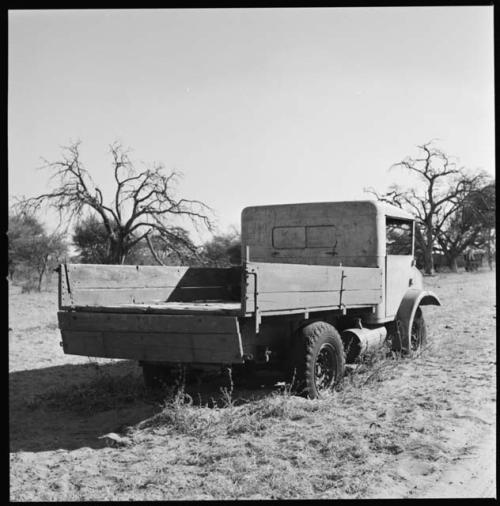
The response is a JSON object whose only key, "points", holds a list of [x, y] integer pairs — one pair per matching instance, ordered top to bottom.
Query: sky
{"points": [[253, 106]]}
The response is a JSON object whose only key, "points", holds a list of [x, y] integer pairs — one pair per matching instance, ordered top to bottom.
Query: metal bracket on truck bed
{"points": [[342, 289], [65, 295], [257, 314]]}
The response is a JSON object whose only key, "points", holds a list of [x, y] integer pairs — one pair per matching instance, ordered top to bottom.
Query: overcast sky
{"points": [[254, 106]]}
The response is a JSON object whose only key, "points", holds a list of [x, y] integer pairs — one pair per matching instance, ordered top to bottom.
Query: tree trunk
{"points": [[118, 253], [490, 256], [428, 260], [452, 264], [41, 272]]}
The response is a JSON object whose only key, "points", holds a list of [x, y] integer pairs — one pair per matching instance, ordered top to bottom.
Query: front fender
{"points": [[412, 299]]}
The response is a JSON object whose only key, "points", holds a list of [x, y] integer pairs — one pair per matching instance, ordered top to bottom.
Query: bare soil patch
{"points": [[420, 427]]}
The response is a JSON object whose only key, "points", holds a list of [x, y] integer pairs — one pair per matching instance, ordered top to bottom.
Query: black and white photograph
{"points": [[251, 253]]}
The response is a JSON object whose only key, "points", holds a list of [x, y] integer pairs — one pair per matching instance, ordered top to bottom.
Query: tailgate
{"points": [[152, 337]]}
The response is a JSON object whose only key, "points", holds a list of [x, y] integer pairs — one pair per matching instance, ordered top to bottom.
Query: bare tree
{"points": [[443, 190], [143, 203], [470, 226]]}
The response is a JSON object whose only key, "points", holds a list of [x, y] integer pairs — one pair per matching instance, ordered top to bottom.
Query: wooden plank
{"points": [[123, 276], [134, 276], [210, 276], [295, 277], [304, 278], [363, 278], [208, 283], [193, 293], [114, 296], [357, 297], [289, 300], [304, 300], [181, 308], [312, 310], [177, 324], [149, 346]]}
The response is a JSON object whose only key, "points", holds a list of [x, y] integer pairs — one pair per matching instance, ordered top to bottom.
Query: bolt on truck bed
{"points": [[195, 314]]}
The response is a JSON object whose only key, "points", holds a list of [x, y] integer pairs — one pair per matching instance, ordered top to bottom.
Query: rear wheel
{"points": [[317, 363]]}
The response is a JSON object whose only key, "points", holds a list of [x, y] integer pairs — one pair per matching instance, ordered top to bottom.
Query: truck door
{"points": [[398, 262]]}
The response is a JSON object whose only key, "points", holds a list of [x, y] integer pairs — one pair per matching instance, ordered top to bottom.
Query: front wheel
{"points": [[418, 334], [317, 363]]}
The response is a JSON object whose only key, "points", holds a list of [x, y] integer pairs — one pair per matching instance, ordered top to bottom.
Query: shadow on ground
{"points": [[70, 406], [39, 425]]}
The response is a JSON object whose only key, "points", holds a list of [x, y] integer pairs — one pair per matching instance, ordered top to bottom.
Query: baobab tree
{"points": [[442, 192], [143, 204]]}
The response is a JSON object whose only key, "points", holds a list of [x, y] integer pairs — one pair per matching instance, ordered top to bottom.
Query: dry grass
{"points": [[388, 431]]}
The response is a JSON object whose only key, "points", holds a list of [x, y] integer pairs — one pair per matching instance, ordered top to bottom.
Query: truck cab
{"points": [[350, 234]]}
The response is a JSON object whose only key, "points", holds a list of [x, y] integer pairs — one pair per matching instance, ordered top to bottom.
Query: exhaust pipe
{"points": [[360, 341]]}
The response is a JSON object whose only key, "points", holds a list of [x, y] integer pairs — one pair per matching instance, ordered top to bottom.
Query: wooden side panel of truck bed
{"points": [[90, 285], [295, 287]]}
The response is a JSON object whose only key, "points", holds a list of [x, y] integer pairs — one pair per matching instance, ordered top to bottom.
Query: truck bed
{"points": [[251, 289], [193, 315]]}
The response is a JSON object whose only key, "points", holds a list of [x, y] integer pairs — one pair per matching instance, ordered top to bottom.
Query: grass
{"points": [[226, 413]]}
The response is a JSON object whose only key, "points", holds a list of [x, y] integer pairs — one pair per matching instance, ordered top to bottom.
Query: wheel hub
{"points": [[416, 338], [324, 367]]}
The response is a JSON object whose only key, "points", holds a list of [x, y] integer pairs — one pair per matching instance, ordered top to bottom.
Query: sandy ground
{"points": [[415, 428], [473, 476]]}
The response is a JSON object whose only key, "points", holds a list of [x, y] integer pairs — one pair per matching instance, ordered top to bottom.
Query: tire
{"points": [[418, 334], [317, 360]]}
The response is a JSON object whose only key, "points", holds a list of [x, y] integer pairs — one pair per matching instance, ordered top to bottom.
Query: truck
{"points": [[318, 286]]}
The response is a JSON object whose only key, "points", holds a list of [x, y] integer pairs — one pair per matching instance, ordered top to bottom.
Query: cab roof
{"points": [[357, 207]]}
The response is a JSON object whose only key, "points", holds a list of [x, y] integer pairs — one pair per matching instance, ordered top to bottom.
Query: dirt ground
{"points": [[404, 428]]}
